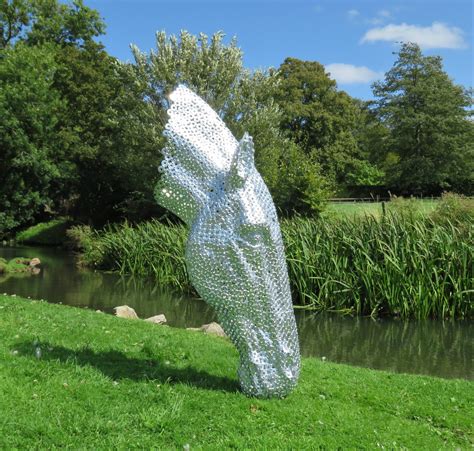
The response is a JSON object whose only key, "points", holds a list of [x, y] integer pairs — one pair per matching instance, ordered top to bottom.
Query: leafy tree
{"points": [[14, 17], [48, 21], [63, 23], [208, 66], [244, 100], [318, 117], [109, 134], [430, 145], [30, 152], [96, 156], [368, 170]]}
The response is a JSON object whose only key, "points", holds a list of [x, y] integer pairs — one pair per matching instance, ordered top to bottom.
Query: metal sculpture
{"points": [[234, 254]]}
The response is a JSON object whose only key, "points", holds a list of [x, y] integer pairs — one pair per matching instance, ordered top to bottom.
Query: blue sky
{"points": [[353, 39]]}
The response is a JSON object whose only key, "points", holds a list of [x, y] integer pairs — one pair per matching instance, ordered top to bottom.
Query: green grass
{"points": [[344, 209], [52, 233], [15, 265], [404, 266], [105, 382]]}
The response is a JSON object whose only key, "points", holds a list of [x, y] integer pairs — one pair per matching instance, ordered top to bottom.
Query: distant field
{"points": [[373, 208]]}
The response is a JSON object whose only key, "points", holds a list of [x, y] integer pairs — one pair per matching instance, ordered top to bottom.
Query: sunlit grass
{"points": [[344, 209], [51, 233], [73, 378]]}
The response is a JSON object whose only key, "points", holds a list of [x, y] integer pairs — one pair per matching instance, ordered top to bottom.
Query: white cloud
{"points": [[353, 13], [438, 35], [350, 74]]}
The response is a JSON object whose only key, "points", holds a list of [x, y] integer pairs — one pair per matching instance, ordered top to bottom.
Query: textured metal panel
{"points": [[234, 254]]}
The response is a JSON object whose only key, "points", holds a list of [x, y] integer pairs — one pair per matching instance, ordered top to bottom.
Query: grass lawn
{"points": [[340, 209], [80, 379]]}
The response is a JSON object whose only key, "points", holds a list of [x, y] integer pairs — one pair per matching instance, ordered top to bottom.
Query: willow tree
{"points": [[243, 99]]}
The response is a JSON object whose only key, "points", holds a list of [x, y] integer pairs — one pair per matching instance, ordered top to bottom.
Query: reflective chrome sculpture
{"points": [[234, 254]]}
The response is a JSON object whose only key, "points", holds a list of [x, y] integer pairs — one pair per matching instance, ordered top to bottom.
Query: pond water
{"points": [[439, 348]]}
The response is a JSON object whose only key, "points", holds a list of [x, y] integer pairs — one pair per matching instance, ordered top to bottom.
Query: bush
{"points": [[455, 209]]}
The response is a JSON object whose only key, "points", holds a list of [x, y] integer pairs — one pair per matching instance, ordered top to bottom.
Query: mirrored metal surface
{"points": [[234, 254]]}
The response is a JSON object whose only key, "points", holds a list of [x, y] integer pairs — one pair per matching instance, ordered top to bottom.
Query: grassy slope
{"points": [[52, 233], [103, 381]]}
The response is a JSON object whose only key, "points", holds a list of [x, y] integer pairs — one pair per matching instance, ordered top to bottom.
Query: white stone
{"points": [[124, 311], [157, 319], [213, 329]]}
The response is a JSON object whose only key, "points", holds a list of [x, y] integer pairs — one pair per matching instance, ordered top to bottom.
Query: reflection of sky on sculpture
{"points": [[270, 30], [440, 348]]}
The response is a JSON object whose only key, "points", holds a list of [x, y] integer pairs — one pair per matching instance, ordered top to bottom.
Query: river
{"points": [[433, 347]]}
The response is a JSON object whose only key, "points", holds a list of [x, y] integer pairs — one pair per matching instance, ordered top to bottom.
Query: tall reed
{"points": [[147, 249], [400, 264]]}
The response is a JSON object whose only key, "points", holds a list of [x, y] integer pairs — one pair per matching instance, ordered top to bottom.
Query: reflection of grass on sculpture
{"points": [[81, 379]]}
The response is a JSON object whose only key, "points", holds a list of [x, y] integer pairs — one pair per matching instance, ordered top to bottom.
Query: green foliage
{"points": [[14, 16], [48, 21], [64, 24], [209, 67], [244, 101], [318, 117], [429, 128], [81, 132], [110, 137], [79, 138], [30, 150], [365, 174], [294, 179], [301, 186], [104, 382]]}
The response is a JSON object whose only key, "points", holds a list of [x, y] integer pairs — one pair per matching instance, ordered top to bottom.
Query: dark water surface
{"points": [[439, 348]]}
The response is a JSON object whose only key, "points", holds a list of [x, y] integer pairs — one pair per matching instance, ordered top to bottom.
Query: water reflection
{"points": [[61, 281], [439, 348]]}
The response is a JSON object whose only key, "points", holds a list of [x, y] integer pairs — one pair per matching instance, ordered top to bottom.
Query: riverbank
{"points": [[404, 263], [76, 378]]}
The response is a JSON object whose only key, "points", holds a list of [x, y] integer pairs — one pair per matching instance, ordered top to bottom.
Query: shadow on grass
{"points": [[117, 365]]}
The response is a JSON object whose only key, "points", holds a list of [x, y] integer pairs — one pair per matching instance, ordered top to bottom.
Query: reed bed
{"points": [[147, 249], [403, 264], [398, 265]]}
